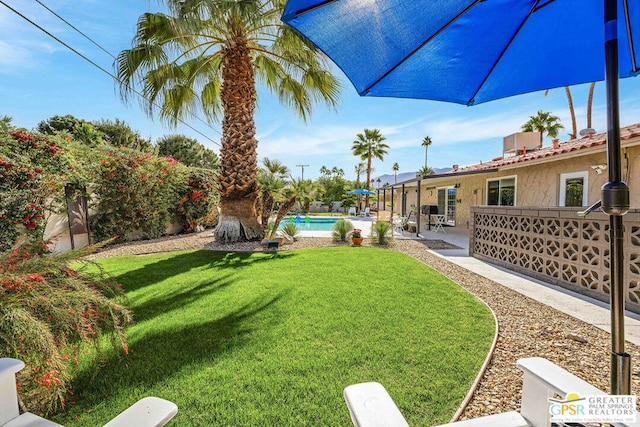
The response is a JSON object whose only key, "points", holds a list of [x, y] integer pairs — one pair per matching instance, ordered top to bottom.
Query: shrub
{"points": [[31, 171], [135, 192], [197, 206], [291, 230], [341, 230], [381, 232], [48, 312]]}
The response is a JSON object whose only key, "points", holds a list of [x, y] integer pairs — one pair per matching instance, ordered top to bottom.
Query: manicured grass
{"points": [[273, 339]]}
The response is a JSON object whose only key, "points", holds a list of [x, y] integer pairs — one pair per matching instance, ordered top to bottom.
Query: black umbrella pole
{"points": [[615, 203]]}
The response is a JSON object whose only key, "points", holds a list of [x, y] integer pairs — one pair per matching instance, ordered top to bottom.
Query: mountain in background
{"points": [[405, 176]]}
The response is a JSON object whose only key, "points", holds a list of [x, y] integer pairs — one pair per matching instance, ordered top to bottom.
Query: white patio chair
{"points": [[352, 211], [398, 224], [438, 226], [371, 406], [147, 412]]}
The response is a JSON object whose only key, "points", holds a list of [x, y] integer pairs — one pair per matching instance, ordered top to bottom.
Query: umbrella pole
{"points": [[615, 203]]}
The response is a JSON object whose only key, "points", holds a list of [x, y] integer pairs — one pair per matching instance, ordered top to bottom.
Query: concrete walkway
{"points": [[579, 306]]}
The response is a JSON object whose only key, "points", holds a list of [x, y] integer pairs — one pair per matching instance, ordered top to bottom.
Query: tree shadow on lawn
{"points": [[181, 263], [179, 298], [156, 357]]}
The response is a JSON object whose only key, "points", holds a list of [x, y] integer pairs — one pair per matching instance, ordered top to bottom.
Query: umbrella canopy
{"points": [[466, 51], [473, 51], [361, 191]]}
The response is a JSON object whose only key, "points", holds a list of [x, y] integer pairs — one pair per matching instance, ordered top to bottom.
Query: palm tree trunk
{"points": [[590, 103], [574, 127], [238, 159], [366, 199], [267, 207], [284, 209]]}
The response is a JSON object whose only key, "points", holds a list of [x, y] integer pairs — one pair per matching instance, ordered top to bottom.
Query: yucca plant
{"points": [[291, 230], [341, 230], [381, 233]]}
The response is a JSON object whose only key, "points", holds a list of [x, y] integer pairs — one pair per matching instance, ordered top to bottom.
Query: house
{"points": [[521, 209]]}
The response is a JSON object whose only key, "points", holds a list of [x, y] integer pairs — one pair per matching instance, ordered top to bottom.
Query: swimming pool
{"points": [[312, 223]]}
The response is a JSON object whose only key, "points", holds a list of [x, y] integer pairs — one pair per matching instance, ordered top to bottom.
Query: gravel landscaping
{"points": [[527, 328]]}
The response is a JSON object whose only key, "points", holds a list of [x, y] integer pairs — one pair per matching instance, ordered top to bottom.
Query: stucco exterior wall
{"points": [[537, 183]]}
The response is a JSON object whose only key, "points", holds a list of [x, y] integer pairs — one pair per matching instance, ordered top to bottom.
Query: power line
{"points": [[77, 30], [98, 66]]}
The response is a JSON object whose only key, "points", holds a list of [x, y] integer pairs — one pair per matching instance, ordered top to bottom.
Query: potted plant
{"points": [[356, 236]]}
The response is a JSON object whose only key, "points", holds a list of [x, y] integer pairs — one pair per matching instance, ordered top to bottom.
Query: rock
{"points": [[575, 337]]}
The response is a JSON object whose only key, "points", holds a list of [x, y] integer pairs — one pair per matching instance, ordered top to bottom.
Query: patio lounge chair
{"points": [[352, 211], [365, 212], [370, 405], [147, 412]]}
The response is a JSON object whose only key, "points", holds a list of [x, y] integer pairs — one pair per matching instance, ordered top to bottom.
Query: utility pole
{"points": [[302, 166]]}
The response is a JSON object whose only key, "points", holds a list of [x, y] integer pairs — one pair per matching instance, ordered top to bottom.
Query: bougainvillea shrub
{"points": [[33, 170], [134, 193], [197, 206]]}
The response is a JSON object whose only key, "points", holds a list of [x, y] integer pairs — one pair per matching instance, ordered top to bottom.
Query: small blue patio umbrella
{"points": [[473, 51], [361, 191]]}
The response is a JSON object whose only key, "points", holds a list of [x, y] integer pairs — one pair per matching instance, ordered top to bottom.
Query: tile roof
{"points": [[598, 139]]}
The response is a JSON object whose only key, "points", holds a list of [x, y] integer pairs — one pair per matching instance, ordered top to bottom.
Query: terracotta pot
{"points": [[357, 240]]}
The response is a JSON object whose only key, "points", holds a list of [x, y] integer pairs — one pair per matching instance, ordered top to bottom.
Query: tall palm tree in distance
{"points": [[208, 55], [590, 103], [545, 123], [426, 142], [368, 145], [395, 168], [360, 169]]}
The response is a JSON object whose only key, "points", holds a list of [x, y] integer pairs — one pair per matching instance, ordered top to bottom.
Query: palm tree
{"points": [[207, 55], [590, 103], [543, 122], [5, 123], [574, 126], [426, 142], [369, 145], [360, 168], [395, 168], [425, 171], [271, 180], [296, 189]]}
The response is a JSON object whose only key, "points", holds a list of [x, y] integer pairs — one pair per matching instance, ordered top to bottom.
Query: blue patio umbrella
{"points": [[473, 51], [361, 191]]}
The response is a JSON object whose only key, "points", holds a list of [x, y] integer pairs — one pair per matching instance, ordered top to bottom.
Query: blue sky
{"points": [[40, 78]]}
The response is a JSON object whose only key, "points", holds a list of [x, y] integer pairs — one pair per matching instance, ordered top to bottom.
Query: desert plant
{"points": [[291, 229], [341, 230], [381, 233], [49, 314]]}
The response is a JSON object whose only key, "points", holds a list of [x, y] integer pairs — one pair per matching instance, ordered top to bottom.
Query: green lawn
{"points": [[273, 339]]}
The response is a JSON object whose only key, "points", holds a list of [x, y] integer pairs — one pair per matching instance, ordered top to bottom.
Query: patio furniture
{"points": [[352, 211], [365, 212], [440, 220], [398, 224], [370, 405], [147, 412]]}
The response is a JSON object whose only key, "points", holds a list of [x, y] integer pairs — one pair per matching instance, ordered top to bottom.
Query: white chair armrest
{"points": [[8, 393], [371, 406], [146, 412], [29, 420]]}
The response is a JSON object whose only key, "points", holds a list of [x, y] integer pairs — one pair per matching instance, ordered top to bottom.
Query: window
{"points": [[573, 189], [501, 192]]}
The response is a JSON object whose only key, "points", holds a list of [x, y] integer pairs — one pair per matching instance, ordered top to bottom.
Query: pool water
{"points": [[311, 223]]}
